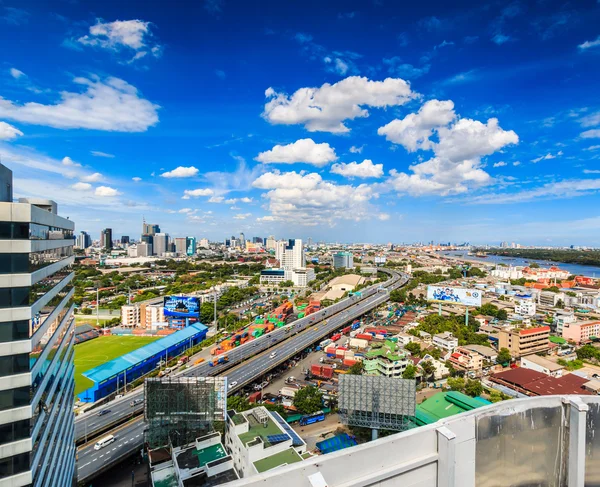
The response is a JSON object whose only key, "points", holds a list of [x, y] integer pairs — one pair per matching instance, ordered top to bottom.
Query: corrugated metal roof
{"points": [[530, 331], [120, 364], [519, 376]]}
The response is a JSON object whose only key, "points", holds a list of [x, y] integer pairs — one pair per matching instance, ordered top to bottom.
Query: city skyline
{"points": [[450, 123]]}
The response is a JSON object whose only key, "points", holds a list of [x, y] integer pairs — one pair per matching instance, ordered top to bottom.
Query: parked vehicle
{"points": [[199, 361], [135, 402]]}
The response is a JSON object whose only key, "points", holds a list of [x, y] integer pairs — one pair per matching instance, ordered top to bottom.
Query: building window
{"points": [[33, 231], [14, 331], [13, 365], [14, 398], [16, 431], [14, 465]]}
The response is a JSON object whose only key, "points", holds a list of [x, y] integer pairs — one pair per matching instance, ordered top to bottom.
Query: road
{"points": [[281, 342]]}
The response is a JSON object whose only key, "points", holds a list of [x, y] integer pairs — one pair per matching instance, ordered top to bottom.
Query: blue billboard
{"points": [[182, 306]]}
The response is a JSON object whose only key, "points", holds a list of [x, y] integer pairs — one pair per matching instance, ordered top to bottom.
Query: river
{"points": [[576, 269]]}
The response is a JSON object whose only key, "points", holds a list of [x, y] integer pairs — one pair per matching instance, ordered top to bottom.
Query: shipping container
{"points": [[365, 336], [336, 337], [359, 343], [349, 362], [288, 391], [254, 397]]}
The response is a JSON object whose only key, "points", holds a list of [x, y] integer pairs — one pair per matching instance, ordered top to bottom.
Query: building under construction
{"points": [[180, 409]]}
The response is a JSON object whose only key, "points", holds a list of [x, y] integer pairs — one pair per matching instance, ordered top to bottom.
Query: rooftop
{"points": [[544, 362], [257, 429], [285, 457], [192, 458]]}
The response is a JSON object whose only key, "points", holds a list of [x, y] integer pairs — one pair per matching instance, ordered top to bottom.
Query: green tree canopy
{"points": [[503, 356], [410, 372], [473, 388], [308, 400]]}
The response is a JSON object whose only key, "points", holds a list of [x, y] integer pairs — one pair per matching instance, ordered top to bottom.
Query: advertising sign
{"points": [[456, 295], [183, 306]]}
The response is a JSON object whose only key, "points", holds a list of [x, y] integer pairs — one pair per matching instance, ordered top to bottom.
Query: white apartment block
{"points": [[525, 307], [130, 315], [445, 341], [37, 445]]}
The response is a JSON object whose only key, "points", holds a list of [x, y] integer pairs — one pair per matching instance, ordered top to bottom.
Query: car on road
{"points": [[315, 328], [273, 355], [233, 384], [135, 402], [103, 412], [104, 442]]}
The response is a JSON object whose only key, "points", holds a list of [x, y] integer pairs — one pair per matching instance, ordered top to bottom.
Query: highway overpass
{"points": [[302, 333]]}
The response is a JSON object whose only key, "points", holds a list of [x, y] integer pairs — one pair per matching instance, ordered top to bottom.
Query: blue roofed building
{"points": [[113, 375]]}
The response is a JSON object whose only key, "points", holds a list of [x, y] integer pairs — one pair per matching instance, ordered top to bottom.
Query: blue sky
{"points": [[340, 121]]}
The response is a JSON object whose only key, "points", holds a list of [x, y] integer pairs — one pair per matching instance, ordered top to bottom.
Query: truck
{"points": [[336, 337], [324, 343], [183, 360], [221, 360], [199, 361], [288, 392]]}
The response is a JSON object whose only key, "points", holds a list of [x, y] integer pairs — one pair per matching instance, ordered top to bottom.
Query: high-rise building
{"points": [[150, 228], [106, 239], [83, 240], [124, 240], [242, 241], [270, 242], [309, 242], [161, 243], [204, 243], [181, 245], [191, 246], [293, 255], [343, 259], [37, 444]]}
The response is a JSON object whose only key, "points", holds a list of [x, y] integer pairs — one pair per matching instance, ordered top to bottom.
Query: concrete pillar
{"points": [[577, 431], [446, 475]]}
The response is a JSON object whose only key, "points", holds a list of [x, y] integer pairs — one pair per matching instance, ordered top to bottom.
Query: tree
{"points": [[534, 265], [560, 304], [86, 311], [502, 314], [413, 347], [503, 356], [356, 369], [428, 369], [410, 372], [454, 383], [473, 388], [308, 400], [238, 403]]}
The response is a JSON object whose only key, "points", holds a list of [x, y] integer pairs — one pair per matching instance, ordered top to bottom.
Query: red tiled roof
{"points": [[530, 331], [520, 376], [542, 384]]}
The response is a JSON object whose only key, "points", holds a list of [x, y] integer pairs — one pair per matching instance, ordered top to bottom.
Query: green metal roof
{"points": [[557, 340], [446, 404]]}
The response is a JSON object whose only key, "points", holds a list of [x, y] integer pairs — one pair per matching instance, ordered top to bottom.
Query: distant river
{"points": [[579, 270]]}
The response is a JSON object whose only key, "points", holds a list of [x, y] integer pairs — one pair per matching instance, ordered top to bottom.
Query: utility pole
{"points": [[97, 306], [216, 323]]}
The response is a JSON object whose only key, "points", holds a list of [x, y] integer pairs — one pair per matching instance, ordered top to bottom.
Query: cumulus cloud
{"points": [[133, 36], [590, 44], [338, 62], [16, 73], [111, 104], [326, 108], [414, 131], [8, 132], [591, 134], [461, 143], [303, 150], [356, 150], [547, 157], [67, 161], [500, 164], [365, 169], [181, 172], [93, 178], [137, 179], [81, 186], [106, 192], [195, 193], [216, 199], [307, 199], [242, 216]]}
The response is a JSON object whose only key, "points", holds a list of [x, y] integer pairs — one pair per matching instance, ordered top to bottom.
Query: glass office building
{"points": [[36, 343]]}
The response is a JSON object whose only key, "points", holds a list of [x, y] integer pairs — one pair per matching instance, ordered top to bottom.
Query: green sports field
{"points": [[100, 350]]}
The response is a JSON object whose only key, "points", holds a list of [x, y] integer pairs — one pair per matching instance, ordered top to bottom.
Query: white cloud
{"points": [[123, 35], [500, 39], [590, 44], [16, 73], [112, 105], [326, 108], [590, 120], [414, 130], [8, 132], [590, 134], [462, 142], [592, 147], [303, 150], [356, 150], [97, 153], [547, 157], [67, 161], [516, 163], [500, 164], [365, 169], [591, 171], [181, 172], [93, 178], [137, 179], [81, 186], [567, 188], [106, 192], [195, 193], [216, 199], [245, 199], [306, 199], [187, 211], [242, 216], [383, 217]]}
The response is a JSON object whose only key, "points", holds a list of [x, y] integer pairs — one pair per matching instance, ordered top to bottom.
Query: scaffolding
{"points": [[377, 402], [180, 409]]}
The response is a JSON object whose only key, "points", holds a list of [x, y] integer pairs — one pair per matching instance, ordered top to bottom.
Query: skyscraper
{"points": [[148, 232], [106, 239], [124, 239], [83, 240], [242, 241], [270, 242], [161, 243], [181, 245], [191, 246], [293, 255], [36, 344]]}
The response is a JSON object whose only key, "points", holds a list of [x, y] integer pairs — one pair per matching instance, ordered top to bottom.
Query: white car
{"points": [[273, 355], [233, 384]]}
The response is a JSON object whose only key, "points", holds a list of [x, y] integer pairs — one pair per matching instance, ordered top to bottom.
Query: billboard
{"points": [[456, 295], [182, 306], [376, 402]]}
